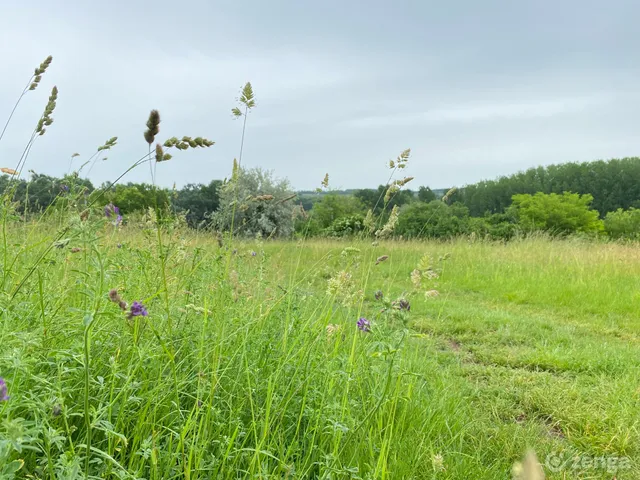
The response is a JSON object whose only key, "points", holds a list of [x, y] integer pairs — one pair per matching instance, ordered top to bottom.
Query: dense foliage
{"points": [[613, 184], [588, 198], [254, 203], [557, 214]]}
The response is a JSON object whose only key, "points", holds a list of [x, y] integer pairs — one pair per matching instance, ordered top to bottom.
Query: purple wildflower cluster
{"points": [[111, 211], [138, 310], [364, 325]]}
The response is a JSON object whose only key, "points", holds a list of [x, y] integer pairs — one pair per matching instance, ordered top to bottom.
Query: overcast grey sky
{"points": [[476, 89]]}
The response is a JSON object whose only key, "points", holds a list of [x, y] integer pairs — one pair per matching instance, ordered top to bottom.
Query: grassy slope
{"points": [[540, 338], [530, 344]]}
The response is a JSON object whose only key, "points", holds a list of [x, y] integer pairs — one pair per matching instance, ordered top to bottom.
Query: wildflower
{"points": [[65, 188], [111, 210], [253, 254], [378, 295], [402, 304], [137, 310], [364, 325], [3, 390]]}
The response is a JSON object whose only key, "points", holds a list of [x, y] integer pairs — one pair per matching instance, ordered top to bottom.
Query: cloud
{"points": [[467, 113]]}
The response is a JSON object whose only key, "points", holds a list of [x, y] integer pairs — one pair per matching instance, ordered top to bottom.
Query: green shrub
{"points": [[557, 214], [435, 219], [623, 224], [346, 226], [498, 226]]}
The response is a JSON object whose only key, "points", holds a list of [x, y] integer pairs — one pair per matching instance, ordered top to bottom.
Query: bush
{"points": [[255, 204], [332, 208], [557, 214], [435, 219], [623, 224], [346, 226], [498, 226]]}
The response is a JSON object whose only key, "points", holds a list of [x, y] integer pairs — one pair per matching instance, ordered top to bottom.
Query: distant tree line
{"points": [[613, 184], [592, 198]]}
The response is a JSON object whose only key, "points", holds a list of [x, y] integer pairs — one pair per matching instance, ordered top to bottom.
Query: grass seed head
{"points": [[153, 126]]}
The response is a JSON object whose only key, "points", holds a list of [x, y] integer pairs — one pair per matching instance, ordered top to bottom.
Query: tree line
{"points": [[613, 184], [594, 198]]}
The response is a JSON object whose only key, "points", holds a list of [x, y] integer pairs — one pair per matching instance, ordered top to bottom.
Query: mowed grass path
{"points": [[540, 339], [532, 344]]}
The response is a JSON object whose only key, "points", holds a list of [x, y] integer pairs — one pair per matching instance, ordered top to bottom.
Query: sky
{"points": [[475, 89]]}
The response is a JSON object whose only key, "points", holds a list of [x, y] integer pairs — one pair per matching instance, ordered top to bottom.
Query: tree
{"points": [[614, 184], [426, 195], [136, 197], [373, 199], [198, 201], [255, 203], [331, 208], [557, 214]]}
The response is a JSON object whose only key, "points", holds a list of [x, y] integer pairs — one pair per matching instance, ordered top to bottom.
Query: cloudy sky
{"points": [[475, 89]]}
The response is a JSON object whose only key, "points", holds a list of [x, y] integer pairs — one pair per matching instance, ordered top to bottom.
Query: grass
{"points": [[234, 375]]}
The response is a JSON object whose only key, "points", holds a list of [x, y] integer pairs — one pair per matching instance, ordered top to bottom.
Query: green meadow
{"points": [[252, 361]]}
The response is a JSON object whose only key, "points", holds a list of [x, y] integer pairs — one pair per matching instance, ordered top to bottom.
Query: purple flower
{"points": [[65, 188], [111, 210], [118, 220], [253, 254], [378, 295], [138, 309], [364, 324], [3, 390]]}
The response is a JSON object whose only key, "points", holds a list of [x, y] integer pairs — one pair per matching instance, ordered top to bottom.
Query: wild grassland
{"points": [[234, 373]]}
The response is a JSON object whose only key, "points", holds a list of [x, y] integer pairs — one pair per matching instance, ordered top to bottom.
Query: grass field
{"points": [[250, 363]]}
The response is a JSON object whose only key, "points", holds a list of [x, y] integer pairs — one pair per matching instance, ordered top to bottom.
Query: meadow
{"points": [[139, 348], [249, 359]]}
